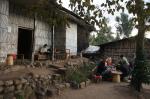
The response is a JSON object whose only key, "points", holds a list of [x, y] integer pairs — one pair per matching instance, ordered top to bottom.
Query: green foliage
{"points": [[47, 10], [141, 11], [125, 25], [104, 35], [100, 39], [80, 74], [141, 74], [77, 77], [19, 97]]}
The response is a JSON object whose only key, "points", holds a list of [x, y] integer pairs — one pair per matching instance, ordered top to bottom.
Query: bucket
{"points": [[14, 56], [9, 60]]}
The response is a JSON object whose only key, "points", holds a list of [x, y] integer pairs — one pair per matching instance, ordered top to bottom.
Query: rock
{"points": [[39, 64], [45, 64], [28, 66], [33, 67], [36, 76], [42, 76], [56, 76], [49, 77], [36, 79], [23, 81], [17, 82], [55, 82], [88, 82], [1, 83], [8, 83], [45, 83], [33, 85], [67, 85], [75, 85], [82, 85], [60, 86], [19, 87], [1, 89], [9, 89], [28, 91], [40, 91], [16, 92], [52, 92], [8, 96], [1, 97], [14, 98]]}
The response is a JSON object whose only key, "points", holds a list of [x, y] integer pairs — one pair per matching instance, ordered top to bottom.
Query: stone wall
{"points": [[26, 87]]}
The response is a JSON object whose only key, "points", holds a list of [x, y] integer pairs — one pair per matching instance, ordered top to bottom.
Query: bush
{"points": [[81, 74], [140, 74]]}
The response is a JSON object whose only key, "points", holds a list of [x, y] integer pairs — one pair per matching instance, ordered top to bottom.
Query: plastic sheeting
{"points": [[91, 49]]}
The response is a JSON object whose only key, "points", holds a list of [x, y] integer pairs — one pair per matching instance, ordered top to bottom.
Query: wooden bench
{"points": [[62, 54], [41, 57]]}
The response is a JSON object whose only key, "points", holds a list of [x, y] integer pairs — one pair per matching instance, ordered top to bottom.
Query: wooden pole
{"points": [[33, 39], [53, 44]]}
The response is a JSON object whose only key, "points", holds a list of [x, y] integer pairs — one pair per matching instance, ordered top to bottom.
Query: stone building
{"points": [[18, 32]]}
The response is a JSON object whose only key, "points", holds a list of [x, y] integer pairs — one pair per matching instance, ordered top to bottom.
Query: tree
{"points": [[141, 11], [94, 15], [124, 25], [102, 36]]}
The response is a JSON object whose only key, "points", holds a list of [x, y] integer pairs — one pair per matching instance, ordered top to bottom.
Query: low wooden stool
{"points": [[116, 76]]}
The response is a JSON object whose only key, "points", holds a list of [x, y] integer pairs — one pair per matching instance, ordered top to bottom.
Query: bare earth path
{"points": [[104, 90]]}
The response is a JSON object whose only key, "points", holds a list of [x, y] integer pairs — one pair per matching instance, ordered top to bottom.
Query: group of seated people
{"points": [[105, 66]]}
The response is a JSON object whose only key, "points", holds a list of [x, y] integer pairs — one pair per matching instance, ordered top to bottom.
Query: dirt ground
{"points": [[18, 72], [104, 90]]}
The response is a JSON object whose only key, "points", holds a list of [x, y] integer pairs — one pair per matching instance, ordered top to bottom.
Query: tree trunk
{"points": [[137, 75]]}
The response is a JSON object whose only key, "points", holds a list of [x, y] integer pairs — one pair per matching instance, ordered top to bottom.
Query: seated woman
{"points": [[109, 61], [109, 64], [109, 67], [102, 69]]}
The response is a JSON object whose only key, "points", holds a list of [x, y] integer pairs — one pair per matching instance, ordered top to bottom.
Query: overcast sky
{"points": [[111, 18]]}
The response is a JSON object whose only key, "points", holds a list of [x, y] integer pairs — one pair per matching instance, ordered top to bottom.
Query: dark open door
{"points": [[25, 42]]}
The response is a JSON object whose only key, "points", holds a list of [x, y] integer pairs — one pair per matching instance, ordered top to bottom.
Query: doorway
{"points": [[25, 40]]}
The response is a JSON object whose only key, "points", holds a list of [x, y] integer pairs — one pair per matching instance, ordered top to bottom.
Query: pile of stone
{"points": [[39, 86], [10, 88]]}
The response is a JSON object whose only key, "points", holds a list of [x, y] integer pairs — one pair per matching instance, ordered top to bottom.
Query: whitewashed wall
{"points": [[4, 13], [9, 24], [42, 31], [42, 34], [71, 38]]}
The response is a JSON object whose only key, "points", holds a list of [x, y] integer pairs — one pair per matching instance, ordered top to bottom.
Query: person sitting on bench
{"points": [[44, 49]]}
